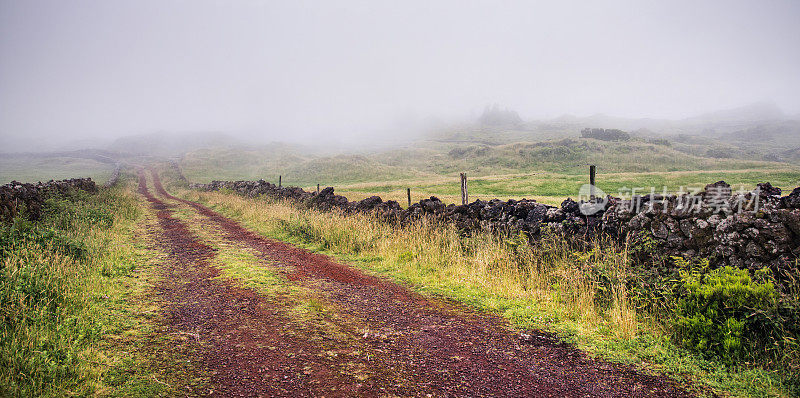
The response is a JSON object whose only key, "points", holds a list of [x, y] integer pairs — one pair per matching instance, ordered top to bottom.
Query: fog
{"points": [[327, 72]]}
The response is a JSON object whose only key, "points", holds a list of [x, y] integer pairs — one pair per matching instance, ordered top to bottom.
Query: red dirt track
{"points": [[389, 340]]}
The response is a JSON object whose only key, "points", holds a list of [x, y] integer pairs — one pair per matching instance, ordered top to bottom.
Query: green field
{"points": [[546, 166], [33, 169], [548, 171], [552, 188]]}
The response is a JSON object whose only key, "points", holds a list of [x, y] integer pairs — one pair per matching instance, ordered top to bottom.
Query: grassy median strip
{"points": [[240, 264]]}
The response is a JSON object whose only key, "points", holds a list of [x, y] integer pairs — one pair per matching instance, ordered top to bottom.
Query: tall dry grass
{"points": [[555, 278]]}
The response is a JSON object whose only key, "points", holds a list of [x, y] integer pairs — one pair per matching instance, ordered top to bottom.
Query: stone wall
{"points": [[177, 168], [114, 176], [15, 195], [750, 229]]}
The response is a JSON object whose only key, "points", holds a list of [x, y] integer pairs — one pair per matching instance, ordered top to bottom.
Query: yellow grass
{"points": [[437, 257]]}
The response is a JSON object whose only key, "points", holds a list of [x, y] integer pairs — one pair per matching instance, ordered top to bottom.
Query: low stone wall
{"points": [[177, 168], [114, 176], [15, 195], [750, 229]]}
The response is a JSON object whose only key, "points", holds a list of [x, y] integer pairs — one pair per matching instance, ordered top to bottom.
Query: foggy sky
{"points": [[316, 70]]}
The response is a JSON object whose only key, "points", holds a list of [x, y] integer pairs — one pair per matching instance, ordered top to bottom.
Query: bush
{"points": [[605, 134], [725, 313]]}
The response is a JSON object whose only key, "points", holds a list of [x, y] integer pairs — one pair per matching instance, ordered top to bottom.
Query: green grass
{"points": [[569, 156], [33, 169], [297, 169], [548, 171], [552, 188], [50, 272], [78, 316]]}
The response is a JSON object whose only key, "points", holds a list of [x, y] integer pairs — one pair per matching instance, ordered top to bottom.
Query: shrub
{"points": [[605, 134], [725, 312]]}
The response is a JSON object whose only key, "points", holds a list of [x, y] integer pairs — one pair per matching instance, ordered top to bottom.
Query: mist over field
{"points": [[84, 73], [371, 96]]}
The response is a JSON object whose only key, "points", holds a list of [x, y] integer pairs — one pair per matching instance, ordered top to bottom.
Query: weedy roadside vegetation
{"points": [[613, 300], [72, 324]]}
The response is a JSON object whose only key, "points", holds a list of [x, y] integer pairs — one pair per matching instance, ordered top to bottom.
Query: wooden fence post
{"points": [[279, 181], [591, 181], [317, 189], [408, 191], [464, 194]]}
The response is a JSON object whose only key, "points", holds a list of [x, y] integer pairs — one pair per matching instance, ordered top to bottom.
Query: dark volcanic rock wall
{"points": [[177, 168], [114, 176], [15, 195], [750, 229]]}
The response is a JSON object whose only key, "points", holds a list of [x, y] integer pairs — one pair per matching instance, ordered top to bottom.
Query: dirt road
{"points": [[382, 339]]}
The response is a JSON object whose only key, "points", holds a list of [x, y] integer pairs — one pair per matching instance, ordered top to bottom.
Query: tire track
{"points": [[248, 343]]}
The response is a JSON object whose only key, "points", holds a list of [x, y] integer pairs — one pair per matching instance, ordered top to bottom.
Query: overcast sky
{"points": [[298, 70]]}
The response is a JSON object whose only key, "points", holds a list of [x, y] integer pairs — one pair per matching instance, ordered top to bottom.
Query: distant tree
{"points": [[494, 116]]}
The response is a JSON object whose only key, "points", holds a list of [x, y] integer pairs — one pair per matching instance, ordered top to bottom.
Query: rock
{"points": [[766, 189], [793, 200], [570, 206], [537, 214], [554, 215], [789, 218], [639, 221], [687, 227], [659, 229], [751, 233], [754, 250], [535, 339]]}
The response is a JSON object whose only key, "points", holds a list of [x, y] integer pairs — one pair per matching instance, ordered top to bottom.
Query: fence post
{"points": [[279, 181], [591, 181], [317, 189], [408, 191], [464, 194]]}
